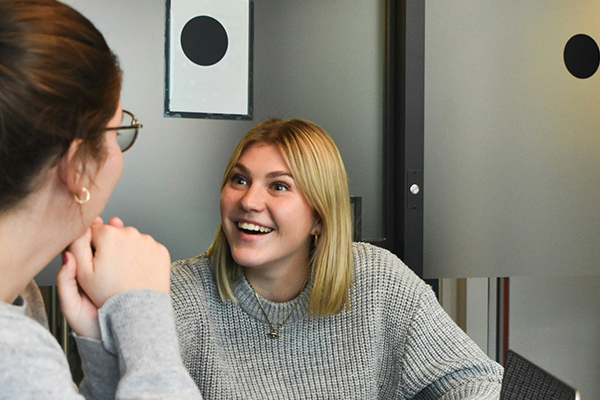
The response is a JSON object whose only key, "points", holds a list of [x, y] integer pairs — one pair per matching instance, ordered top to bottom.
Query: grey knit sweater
{"points": [[396, 342], [138, 352]]}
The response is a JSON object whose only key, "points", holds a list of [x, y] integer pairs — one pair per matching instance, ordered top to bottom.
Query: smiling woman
{"points": [[302, 158], [268, 222], [282, 289]]}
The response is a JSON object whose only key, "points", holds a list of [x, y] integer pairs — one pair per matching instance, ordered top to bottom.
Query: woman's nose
{"points": [[253, 199]]}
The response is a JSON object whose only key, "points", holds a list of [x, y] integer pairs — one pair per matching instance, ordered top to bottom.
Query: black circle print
{"points": [[204, 40], [582, 56]]}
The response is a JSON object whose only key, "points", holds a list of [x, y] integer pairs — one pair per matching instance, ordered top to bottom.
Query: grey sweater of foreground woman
{"points": [[396, 342], [138, 351]]}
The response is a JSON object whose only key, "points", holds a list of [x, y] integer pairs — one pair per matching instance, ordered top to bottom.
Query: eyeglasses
{"points": [[127, 133]]}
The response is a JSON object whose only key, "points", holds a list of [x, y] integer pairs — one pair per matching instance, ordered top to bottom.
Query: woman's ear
{"points": [[70, 168], [317, 227]]}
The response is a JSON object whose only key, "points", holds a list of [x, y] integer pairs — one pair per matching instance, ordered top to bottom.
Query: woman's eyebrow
{"points": [[241, 167], [274, 174], [277, 174]]}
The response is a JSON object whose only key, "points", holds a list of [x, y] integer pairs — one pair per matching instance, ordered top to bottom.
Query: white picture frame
{"points": [[208, 59]]}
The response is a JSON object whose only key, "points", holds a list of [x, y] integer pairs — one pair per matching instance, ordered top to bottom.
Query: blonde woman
{"points": [[62, 134], [284, 305]]}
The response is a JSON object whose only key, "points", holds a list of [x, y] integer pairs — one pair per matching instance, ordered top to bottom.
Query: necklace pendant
{"points": [[273, 335]]}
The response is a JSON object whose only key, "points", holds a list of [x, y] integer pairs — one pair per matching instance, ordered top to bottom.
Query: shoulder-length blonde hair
{"points": [[318, 169]]}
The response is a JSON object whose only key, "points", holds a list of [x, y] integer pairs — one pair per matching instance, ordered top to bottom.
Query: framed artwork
{"points": [[208, 59]]}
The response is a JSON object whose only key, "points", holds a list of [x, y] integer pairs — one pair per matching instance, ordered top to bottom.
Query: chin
{"points": [[246, 259], [244, 262]]}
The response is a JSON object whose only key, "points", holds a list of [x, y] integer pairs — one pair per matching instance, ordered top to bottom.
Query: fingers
{"points": [[116, 222], [81, 247], [81, 250], [112, 259], [126, 259], [65, 279], [68, 291], [80, 312]]}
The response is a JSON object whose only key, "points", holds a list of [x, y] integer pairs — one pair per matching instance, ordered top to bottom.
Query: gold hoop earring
{"points": [[86, 196], [316, 239]]}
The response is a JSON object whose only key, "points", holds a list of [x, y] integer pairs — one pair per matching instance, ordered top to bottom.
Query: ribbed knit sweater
{"points": [[395, 342]]}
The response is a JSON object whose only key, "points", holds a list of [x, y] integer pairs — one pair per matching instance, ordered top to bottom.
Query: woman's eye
{"points": [[238, 180], [280, 186]]}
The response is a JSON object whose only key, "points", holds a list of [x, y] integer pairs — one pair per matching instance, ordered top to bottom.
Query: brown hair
{"points": [[59, 82], [318, 169]]}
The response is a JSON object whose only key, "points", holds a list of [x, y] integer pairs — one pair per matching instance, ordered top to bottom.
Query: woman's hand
{"points": [[112, 259], [107, 260], [76, 306], [78, 309]]}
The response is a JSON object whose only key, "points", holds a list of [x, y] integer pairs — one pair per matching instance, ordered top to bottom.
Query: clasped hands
{"points": [[103, 262]]}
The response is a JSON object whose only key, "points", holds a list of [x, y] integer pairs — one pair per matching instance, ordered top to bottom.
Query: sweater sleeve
{"points": [[139, 327], [138, 335], [442, 362], [32, 364], [100, 369]]}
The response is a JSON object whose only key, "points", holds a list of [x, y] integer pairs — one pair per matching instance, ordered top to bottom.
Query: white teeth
{"points": [[251, 227]]}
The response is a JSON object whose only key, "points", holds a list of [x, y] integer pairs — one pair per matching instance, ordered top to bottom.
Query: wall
{"points": [[322, 61], [512, 150], [512, 162], [555, 322]]}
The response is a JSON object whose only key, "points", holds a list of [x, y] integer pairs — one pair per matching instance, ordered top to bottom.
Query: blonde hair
{"points": [[318, 169]]}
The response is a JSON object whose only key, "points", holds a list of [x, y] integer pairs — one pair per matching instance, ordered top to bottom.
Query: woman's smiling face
{"points": [[266, 219]]}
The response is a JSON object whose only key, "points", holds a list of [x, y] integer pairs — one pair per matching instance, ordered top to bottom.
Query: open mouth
{"points": [[253, 229]]}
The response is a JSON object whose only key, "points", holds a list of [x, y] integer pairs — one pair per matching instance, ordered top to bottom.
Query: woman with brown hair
{"points": [[61, 139], [285, 305]]}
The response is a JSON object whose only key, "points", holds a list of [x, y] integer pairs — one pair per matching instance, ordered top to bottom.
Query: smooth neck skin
{"points": [[34, 232], [279, 284]]}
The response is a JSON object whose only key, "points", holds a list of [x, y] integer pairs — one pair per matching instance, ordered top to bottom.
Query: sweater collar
{"points": [[277, 312]]}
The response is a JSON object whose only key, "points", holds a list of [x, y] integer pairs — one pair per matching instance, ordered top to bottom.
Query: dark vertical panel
{"points": [[403, 140], [502, 319]]}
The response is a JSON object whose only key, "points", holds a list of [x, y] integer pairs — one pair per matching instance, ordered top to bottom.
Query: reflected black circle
{"points": [[204, 40], [582, 56]]}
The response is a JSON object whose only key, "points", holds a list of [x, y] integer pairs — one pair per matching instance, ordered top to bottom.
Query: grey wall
{"points": [[318, 60], [512, 143], [512, 170], [555, 323]]}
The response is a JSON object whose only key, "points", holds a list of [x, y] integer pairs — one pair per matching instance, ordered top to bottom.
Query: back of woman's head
{"points": [[59, 81], [318, 169]]}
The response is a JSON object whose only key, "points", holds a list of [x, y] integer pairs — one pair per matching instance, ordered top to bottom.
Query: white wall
{"points": [[318, 60]]}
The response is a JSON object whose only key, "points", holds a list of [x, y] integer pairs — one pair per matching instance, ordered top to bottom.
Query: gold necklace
{"points": [[274, 334]]}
